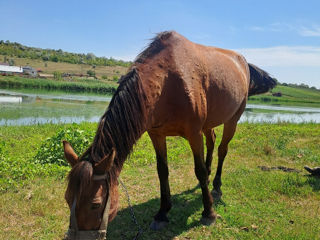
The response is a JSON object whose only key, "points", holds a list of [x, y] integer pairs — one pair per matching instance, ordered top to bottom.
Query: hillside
{"points": [[13, 49], [63, 67], [290, 95]]}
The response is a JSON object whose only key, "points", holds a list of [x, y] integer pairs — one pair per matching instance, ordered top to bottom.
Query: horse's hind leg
{"points": [[228, 133], [210, 140], [196, 143], [160, 219]]}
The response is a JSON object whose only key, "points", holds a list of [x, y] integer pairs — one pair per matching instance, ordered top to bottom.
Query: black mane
{"points": [[156, 45], [123, 122]]}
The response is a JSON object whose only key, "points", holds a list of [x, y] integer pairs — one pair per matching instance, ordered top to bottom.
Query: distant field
{"points": [[50, 67], [290, 96]]}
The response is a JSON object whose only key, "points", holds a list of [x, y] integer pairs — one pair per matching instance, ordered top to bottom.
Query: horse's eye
{"points": [[95, 205]]}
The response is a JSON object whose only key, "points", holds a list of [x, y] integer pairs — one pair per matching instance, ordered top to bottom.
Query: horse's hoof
{"points": [[216, 195], [208, 221], [158, 225]]}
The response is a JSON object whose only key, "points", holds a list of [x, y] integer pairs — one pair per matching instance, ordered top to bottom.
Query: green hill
{"points": [[13, 49], [290, 95]]}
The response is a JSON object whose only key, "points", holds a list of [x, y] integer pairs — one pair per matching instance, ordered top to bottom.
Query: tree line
{"points": [[14, 49]]}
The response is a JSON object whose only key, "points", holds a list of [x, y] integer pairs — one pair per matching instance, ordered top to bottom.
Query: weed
{"points": [[51, 150]]}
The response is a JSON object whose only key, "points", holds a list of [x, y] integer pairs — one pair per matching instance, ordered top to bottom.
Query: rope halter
{"points": [[75, 234]]}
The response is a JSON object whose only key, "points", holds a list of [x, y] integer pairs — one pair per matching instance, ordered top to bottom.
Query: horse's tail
{"points": [[260, 81]]}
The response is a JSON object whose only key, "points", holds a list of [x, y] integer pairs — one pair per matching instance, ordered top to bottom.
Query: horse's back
{"points": [[195, 87]]}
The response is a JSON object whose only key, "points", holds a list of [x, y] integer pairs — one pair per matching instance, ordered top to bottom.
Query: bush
{"points": [[91, 73], [57, 75], [51, 151]]}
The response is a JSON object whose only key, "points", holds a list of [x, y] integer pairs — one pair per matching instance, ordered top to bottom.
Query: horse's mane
{"points": [[155, 46], [123, 122], [119, 128]]}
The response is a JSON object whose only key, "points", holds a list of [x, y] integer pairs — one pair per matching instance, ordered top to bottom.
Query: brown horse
{"points": [[174, 88]]}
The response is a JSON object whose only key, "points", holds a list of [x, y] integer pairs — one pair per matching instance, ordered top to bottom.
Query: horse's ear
{"points": [[69, 154], [106, 162]]}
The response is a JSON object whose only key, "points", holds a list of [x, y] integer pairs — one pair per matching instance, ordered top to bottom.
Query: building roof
{"points": [[5, 68]]}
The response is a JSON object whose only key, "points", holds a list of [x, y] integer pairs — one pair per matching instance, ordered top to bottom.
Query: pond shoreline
{"points": [[58, 107]]}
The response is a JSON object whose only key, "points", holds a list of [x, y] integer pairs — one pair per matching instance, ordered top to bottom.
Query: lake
{"points": [[27, 107]]}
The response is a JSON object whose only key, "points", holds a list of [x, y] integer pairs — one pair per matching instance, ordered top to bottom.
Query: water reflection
{"points": [[55, 95], [9, 99], [17, 108], [274, 114], [277, 117], [43, 120]]}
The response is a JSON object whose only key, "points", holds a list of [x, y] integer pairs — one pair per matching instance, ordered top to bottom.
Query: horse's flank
{"points": [[187, 84]]}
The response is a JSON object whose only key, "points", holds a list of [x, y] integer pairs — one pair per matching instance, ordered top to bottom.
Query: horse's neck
{"points": [[124, 122]]}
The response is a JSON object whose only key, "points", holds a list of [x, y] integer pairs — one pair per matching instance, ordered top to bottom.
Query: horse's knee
{"points": [[222, 151], [163, 170], [202, 175]]}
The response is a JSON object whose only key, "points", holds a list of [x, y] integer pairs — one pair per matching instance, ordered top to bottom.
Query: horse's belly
{"points": [[222, 110]]}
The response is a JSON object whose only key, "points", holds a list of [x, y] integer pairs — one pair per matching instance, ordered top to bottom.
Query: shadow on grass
{"points": [[314, 182], [184, 215]]}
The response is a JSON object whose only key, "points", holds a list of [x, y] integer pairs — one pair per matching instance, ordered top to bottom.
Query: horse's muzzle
{"points": [[75, 234], [85, 235]]}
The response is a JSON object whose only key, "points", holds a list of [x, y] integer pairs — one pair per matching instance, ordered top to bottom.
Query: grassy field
{"points": [[50, 67], [80, 85], [290, 96], [256, 204]]}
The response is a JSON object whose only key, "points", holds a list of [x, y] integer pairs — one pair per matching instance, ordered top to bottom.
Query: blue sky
{"points": [[281, 36]]}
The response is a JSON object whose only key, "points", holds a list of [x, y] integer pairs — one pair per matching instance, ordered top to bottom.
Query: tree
{"points": [[91, 56], [54, 58], [11, 62], [91, 73]]}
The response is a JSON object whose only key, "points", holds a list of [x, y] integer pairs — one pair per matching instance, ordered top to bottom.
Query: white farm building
{"points": [[10, 69]]}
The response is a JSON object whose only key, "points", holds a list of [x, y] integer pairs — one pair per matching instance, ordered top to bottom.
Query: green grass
{"points": [[91, 86], [293, 96], [257, 204]]}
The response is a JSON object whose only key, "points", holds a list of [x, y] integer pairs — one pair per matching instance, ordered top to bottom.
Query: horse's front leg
{"points": [[196, 143], [160, 219]]}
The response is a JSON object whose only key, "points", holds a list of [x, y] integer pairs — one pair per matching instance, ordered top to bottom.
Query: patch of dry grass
{"points": [[50, 67]]}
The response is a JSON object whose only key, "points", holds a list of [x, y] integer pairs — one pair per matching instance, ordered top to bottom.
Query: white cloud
{"points": [[273, 27], [256, 28], [300, 29], [310, 32], [284, 56], [126, 57], [299, 64]]}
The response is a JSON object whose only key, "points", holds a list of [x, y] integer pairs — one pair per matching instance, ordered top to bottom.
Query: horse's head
{"points": [[92, 195]]}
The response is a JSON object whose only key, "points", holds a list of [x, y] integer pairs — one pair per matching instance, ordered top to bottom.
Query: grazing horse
{"points": [[174, 88]]}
